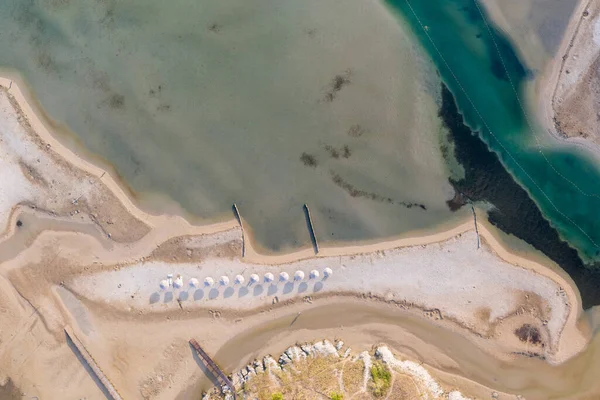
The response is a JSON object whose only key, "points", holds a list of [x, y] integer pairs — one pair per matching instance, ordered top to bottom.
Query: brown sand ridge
{"points": [[76, 251]]}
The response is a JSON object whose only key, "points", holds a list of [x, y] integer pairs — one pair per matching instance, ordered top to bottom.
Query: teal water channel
{"points": [[484, 73]]}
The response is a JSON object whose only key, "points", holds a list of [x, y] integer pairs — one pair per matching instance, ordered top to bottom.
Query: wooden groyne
{"points": [[238, 216], [475, 221], [311, 229], [213, 367], [110, 389]]}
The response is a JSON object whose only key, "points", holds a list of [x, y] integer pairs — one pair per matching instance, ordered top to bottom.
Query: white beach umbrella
{"points": [[327, 272], [314, 274], [284, 276], [298, 276], [269, 277], [254, 278], [239, 279], [208, 281], [224, 281], [194, 283], [164, 284], [178, 284]]}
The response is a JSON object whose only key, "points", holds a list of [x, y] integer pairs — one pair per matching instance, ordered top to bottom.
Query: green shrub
{"points": [[382, 379], [277, 396], [336, 396]]}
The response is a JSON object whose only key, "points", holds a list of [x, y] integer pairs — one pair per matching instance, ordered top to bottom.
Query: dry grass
{"points": [[353, 376], [313, 378], [319, 379], [262, 385], [404, 388]]}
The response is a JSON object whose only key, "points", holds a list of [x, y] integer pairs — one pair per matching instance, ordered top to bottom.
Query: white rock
{"points": [[324, 348], [307, 349], [270, 364], [410, 368], [456, 395]]}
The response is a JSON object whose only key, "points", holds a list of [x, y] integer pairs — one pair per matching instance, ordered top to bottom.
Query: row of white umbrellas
{"points": [[239, 279]]}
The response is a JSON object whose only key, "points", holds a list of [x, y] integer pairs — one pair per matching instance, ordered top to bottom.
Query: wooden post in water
{"points": [[236, 212], [475, 221], [311, 229], [92, 363]]}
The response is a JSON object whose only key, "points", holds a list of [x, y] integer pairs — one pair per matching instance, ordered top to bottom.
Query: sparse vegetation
{"points": [[338, 82], [356, 131], [309, 160], [529, 333], [334, 378], [381, 379], [336, 396]]}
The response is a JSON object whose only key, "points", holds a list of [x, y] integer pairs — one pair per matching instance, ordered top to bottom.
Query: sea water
{"points": [[487, 79], [269, 104], [275, 104]]}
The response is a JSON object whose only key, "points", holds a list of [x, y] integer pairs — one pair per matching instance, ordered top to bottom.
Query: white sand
{"points": [[14, 148], [427, 276]]}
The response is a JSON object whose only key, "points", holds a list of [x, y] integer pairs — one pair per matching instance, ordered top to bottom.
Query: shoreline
{"points": [[547, 85], [102, 170], [186, 228], [83, 254]]}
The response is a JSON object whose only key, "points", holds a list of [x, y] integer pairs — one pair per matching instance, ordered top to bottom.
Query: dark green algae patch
{"points": [[480, 66], [546, 198], [514, 211]]}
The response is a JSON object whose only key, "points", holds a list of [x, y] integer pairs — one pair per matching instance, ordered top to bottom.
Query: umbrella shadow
{"points": [[288, 287], [303, 287], [318, 287], [258, 289], [272, 290], [243, 291], [228, 292], [198, 294], [213, 294], [183, 296], [168, 297], [154, 298], [87, 368]]}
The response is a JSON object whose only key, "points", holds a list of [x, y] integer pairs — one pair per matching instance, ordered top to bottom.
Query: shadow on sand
{"points": [[87, 368], [213, 379]]}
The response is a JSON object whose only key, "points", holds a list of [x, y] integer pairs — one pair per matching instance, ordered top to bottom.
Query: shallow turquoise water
{"points": [[478, 65]]}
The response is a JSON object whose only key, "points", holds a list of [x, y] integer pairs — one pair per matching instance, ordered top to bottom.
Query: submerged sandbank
{"points": [[276, 105]]}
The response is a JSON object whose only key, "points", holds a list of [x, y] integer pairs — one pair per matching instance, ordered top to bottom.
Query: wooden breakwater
{"points": [[238, 216], [311, 229], [476, 229], [213, 367], [110, 389]]}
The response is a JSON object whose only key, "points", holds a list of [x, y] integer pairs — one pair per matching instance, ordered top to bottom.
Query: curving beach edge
{"points": [[77, 251]]}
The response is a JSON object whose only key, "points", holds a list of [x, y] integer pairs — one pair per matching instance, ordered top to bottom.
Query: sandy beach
{"points": [[562, 91], [82, 254]]}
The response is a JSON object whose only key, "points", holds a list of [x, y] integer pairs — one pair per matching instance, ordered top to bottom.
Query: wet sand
{"points": [[48, 274]]}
